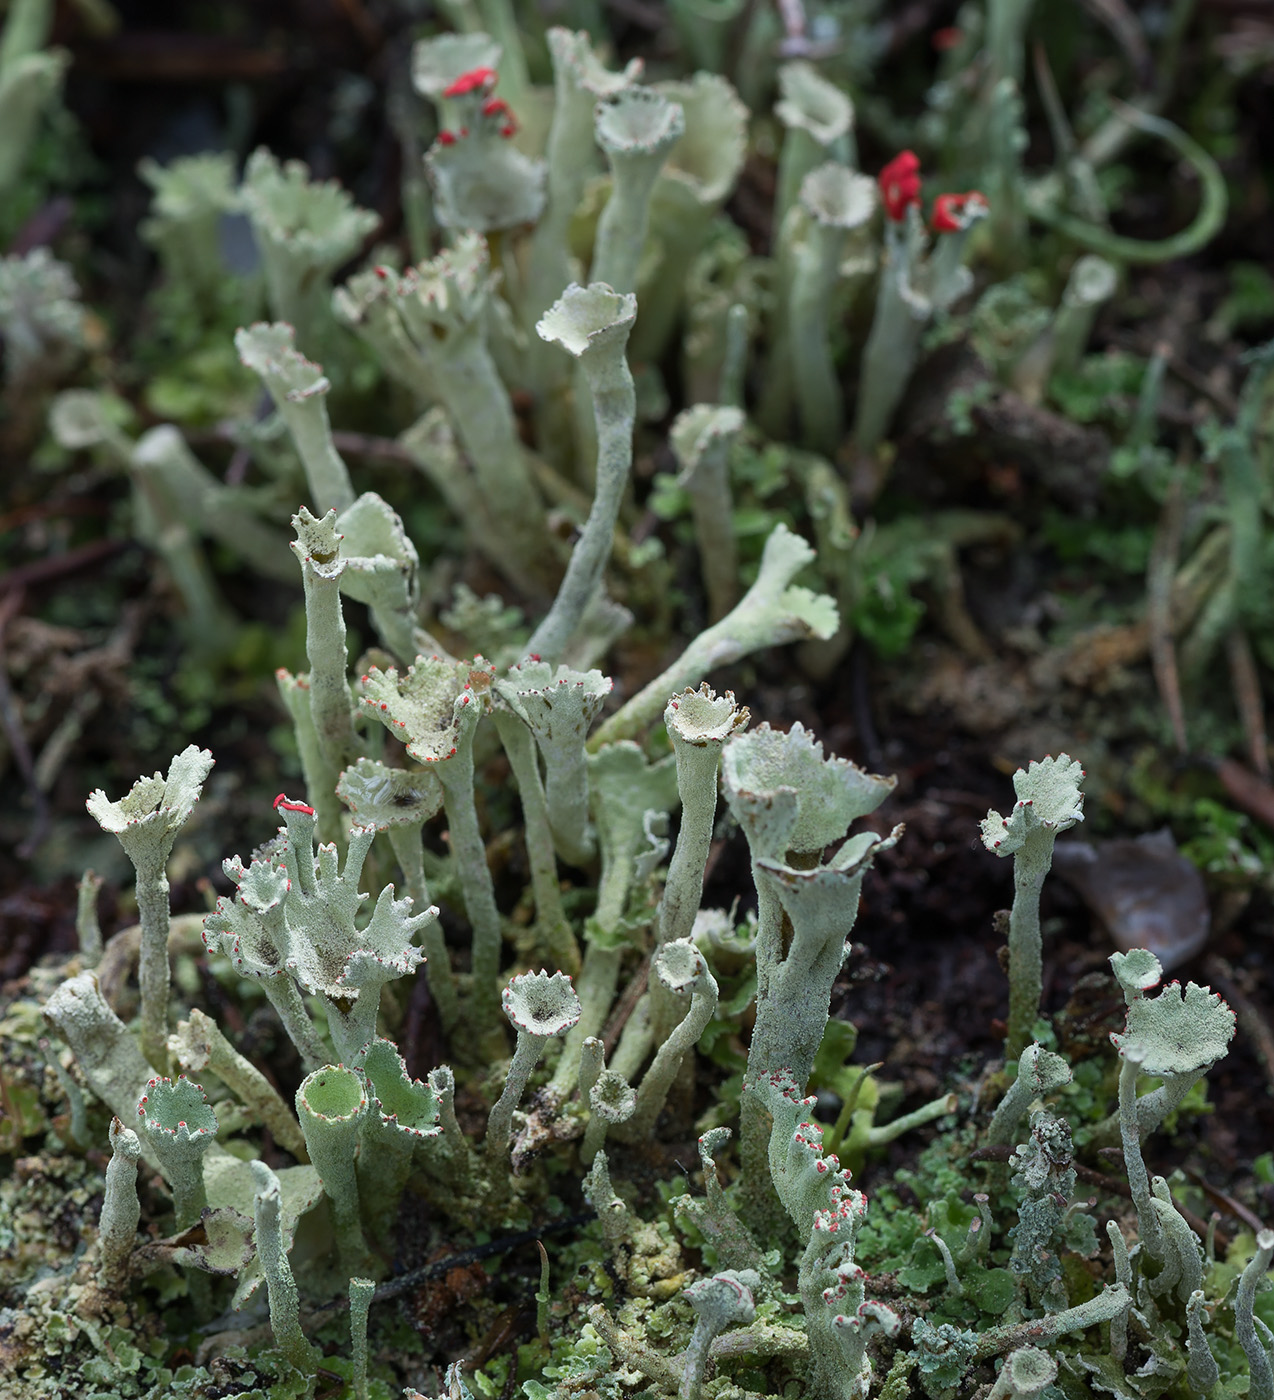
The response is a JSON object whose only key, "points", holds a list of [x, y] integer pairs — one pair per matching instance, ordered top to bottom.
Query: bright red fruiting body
{"points": [[944, 39], [475, 80], [446, 138], [900, 184], [953, 212], [282, 801]]}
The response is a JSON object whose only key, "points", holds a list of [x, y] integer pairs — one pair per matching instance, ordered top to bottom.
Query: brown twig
{"points": [[59, 565], [1162, 570], [1248, 700], [1246, 790], [624, 1008], [1251, 1021], [1236, 1208]]}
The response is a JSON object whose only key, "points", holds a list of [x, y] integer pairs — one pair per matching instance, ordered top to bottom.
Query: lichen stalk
{"points": [[578, 81], [636, 130], [593, 323], [893, 342], [299, 390], [702, 438], [317, 547], [770, 613], [698, 724], [1049, 802], [146, 823], [406, 842], [470, 854], [88, 931], [558, 935], [679, 966], [541, 1007], [331, 1104], [1134, 1164], [121, 1210], [285, 1309]]}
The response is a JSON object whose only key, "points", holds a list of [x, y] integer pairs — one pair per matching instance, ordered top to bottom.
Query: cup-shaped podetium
{"points": [[438, 62], [638, 121], [637, 129], [589, 321], [592, 323], [559, 707], [698, 723], [788, 797], [1049, 801], [146, 822], [541, 1006], [1177, 1032], [611, 1101], [331, 1104], [403, 1114], [178, 1124]]}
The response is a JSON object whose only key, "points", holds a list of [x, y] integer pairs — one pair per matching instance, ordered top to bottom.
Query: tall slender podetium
{"points": [[1048, 802]]}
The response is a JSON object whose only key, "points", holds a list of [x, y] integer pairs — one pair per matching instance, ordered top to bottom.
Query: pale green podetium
{"points": [[30, 79], [579, 81], [818, 122], [636, 128], [697, 178], [191, 197], [835, 206], [304, 229], [915, 282], [439, 314], [42, 321], [593, 323], [1059, 348], [299, 389], [702, 438], [318, 550], [773, 611], [559, 707], [435, 709], [698, 723], [519, 744], [626, 794], [398, 801], [1049, 802], [792, 803], [146, 822], [328, 953], [682, 969], [541, 1007], [1175, 1036], [1039, 1072], [606, 1097], [331, 1104], [403, 1114], [179, 1126], [121, 1210], [724, 1300], [360, 1303], [285, 1310], [1255, 1344], [1026, 1373]]}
